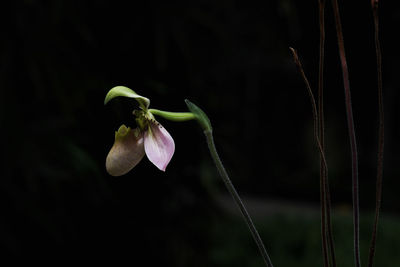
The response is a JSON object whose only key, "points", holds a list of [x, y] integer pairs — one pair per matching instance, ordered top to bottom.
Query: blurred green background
{"points": [[59, 58]]}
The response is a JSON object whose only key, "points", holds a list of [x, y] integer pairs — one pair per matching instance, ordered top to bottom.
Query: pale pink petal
{"points": [[159, 145], [127, 151]]}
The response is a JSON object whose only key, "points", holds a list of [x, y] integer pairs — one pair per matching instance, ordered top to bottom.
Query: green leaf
{"points": [[126, 92], [200, 116]]}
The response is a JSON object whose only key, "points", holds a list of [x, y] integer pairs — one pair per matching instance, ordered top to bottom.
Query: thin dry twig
{"points": [[352, 134], [322, 157], [379, 175], [326, 224]]}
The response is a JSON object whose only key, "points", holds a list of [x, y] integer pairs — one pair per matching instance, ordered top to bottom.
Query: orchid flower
{"points": [[149, 138], [152, 139]]}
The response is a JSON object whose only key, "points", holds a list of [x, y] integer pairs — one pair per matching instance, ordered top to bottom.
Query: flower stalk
{"points": [[173, 116], [206, 126]]}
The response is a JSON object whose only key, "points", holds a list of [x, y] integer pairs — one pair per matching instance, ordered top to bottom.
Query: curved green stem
{"points": [[173, 116], [206, 125], [236, 197]]}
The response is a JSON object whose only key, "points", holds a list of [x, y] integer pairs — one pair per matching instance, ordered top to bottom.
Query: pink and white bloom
{"points": [[149, 138]]}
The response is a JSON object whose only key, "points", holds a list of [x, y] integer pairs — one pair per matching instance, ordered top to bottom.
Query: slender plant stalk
{"points": [[321, 7], [320, 123], [207, 129], [352, 134], [324, 166], [379, 175], [324, 183], [236, 197]]}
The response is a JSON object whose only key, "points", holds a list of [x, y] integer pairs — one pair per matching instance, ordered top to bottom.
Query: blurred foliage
{"points": [[59, 58], [294, 240]]}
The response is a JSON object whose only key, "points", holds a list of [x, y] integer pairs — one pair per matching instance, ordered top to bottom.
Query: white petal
{"points": [[159, 145]]}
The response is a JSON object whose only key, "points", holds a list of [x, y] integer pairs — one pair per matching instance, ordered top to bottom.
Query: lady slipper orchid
{"points": [[148, 138]]}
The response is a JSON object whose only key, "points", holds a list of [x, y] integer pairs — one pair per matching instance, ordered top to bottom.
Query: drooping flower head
{"points": [[149, 138]]}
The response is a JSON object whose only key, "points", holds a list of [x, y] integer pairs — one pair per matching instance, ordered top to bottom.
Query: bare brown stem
{"points": [[352, 134], [324, 166], [379, 175], [325, 193]]}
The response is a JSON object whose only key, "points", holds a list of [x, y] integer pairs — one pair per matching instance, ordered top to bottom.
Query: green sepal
{"points": [[127, 92], [173, 116], [200, 116]]}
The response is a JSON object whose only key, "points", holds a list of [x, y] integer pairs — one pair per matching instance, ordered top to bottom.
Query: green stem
{"points": [[173, 116], [205, 124], [236, 197]]}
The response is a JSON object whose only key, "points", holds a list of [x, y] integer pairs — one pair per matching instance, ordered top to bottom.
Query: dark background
{"points": [[59, 58]]}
